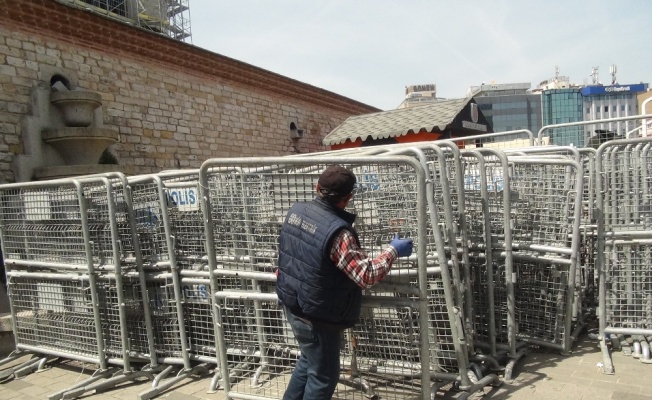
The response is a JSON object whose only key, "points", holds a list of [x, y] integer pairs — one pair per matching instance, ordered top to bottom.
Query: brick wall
{"points": [[175, 105]]}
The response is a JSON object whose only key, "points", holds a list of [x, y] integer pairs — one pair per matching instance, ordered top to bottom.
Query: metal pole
{"points": [[83, 211]]}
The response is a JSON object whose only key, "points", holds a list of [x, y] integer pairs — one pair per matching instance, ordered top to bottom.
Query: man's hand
{"points": [[402, 246]]}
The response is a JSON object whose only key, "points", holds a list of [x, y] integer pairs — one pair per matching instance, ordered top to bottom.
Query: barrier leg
{"points": [[14, 355], [645, 358], [607, 364], [38, 366], [509, 368], [23, 369], [96, 376], [487, 380], [215, 381], [106, 384], [359, 384], [158, 387]]}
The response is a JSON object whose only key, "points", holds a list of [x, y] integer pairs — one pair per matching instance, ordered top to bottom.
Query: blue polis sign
{"points": [[613, 89]]}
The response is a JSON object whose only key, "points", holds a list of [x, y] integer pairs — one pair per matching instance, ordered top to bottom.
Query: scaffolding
{"points": [[168, 17]]}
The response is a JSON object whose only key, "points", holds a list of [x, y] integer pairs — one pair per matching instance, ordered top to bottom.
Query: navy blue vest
{"points": [[309, 283]]}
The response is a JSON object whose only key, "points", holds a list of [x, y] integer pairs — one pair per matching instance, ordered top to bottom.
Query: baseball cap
{"points": [[336, 181]]}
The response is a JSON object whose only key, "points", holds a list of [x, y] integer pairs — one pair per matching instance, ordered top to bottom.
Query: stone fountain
{"points": [[65, 135], [78, 142]]}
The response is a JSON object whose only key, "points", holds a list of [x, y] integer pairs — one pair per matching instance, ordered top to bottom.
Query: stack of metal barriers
{"points": [[171, 275]]}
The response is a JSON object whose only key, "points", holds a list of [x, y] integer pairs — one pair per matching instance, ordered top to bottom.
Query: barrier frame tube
{"points": [[594, 122], [530, 137], [576, 155], [604, 155], [310, 161], [127, 196], [83, 210], [463, 232], [169, 238], [575, 239], [488, 247], [508, 251], [89, 269], [141, 272], [176, 282], [461, 283], [459, 287], [460, 301], [124, 333], [261, 335], [462, 337]]}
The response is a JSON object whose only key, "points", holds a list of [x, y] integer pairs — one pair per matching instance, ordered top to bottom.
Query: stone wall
{"points": [[174, 105]]}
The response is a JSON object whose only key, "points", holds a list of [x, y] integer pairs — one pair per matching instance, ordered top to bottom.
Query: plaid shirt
{"points": [[362, 270]]}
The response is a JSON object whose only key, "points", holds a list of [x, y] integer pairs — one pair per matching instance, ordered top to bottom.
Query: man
{"points": [[321, 274]]}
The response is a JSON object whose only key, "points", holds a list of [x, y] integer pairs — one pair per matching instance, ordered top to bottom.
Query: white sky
{"points": [[369, 50]]}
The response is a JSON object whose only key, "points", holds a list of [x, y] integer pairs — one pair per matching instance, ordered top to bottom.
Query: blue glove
{"points": [[403, 246]]}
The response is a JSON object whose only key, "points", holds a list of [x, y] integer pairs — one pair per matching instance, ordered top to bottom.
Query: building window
{"points": [[606, 108]]}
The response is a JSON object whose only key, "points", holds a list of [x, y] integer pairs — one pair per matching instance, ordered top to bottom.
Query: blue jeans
{"points": [[318, 369]]}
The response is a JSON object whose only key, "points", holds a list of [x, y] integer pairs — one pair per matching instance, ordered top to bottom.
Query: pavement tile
{"points": [[556, 370], [58, 372], [594, 373], [640, 378], [40, 380], [579, 381], [17, 384], [60, 385], [188, 387], [636, 389], [549, 390], [35, 391], [202, 391], [589, 393], [118, 394], [11, 395], [105, 396], [181, 396], [630, 396]]}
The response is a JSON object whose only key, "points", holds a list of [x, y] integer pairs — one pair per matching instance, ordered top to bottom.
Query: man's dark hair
{"points": [[335, 183]]}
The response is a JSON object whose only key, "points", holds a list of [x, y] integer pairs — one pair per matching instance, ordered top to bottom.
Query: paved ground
{"points": [[541, 375]]}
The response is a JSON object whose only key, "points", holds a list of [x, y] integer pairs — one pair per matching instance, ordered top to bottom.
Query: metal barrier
{"points": [[580, 139], [497, 140], [390, 197], [154, 199], [488, 217], [545, 247], [625, 247], [65, 263], [174, 272], [586, 300]]}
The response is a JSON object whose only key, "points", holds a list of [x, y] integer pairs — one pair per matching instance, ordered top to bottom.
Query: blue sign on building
{"points": [[613, 89]]}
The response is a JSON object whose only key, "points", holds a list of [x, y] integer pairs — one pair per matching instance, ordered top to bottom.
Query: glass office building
{"points": [[613, 101], [509, 106], [561, 106]]}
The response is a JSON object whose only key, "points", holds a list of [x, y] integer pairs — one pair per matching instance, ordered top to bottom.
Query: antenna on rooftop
{"points": [[612, 71], [556, 73], [594, 75]]}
